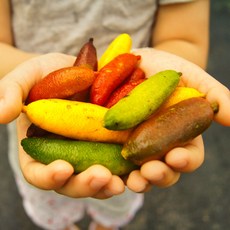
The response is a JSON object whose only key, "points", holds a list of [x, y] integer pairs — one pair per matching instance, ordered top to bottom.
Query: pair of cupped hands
{"points": [[97, 181]]}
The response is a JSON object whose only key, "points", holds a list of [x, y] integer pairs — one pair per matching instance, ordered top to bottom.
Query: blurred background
{"points": [[200, 200]]}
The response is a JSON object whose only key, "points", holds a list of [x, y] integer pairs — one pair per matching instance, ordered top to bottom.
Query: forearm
{"points": [[183, 29], [188, 50], [11, 57]]}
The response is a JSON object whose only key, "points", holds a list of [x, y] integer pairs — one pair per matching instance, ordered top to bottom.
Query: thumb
{"points": [[15, 86], [10, 101]]}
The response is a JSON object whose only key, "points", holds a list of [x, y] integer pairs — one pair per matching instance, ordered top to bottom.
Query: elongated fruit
{"points": [[120, 45], [87, 56], [111, 76], [135, 79], [62, 83], [121, 92], [180, 94], [142, 101], [72, 119], [169, 128], [80, 154]]}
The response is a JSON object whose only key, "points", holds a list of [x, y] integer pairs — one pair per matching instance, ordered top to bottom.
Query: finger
{"points": [[15, 86], [215, 92], [221, 96], [10, 101], [188, 158], [159, 174], [47, 177], [136, 182], [88, 183], [115, 187]]}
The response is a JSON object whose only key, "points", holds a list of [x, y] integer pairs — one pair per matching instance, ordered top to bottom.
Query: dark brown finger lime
{"points": [[173, 127]]}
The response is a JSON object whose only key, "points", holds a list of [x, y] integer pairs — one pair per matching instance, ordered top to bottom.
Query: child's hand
{"points": [[153, 61], [15, 86], [191, 156], [97, 181]]}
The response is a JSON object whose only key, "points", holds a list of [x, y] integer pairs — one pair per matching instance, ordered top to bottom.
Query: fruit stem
{"points": [[215, 107], [23, 109]]}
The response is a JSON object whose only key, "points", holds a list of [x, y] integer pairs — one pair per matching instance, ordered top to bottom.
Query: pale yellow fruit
{"points": [[121, 44], [180, 94]]}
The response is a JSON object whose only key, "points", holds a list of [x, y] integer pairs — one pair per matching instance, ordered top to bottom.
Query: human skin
{"points": [[168, 35], [59, 175]]}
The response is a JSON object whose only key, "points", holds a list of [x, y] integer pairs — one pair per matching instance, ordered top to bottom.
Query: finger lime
{"points": [[142, 101], [80, 154]]}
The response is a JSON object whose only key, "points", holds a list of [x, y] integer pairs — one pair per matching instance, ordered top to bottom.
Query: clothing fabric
{"points": [[166, 2], [64, 26]]}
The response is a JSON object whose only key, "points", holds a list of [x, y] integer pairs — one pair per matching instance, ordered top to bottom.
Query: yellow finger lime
{"points": [[121, 44], [180, 94], [73, 119]]}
